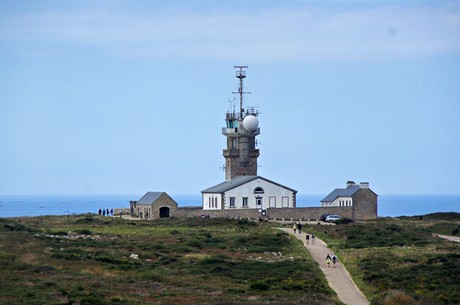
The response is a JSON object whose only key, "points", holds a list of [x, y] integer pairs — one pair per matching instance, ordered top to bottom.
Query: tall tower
{"points": [[241, 131]]}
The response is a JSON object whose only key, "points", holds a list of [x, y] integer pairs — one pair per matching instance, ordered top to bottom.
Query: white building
{"points": [[248, 192]]}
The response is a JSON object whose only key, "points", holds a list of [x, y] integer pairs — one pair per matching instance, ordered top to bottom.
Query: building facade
{"points": [[248, 192], [360, 199], [153, 205]]}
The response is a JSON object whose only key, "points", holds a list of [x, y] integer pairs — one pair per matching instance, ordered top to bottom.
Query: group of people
{"points": [[104, 212], [297, 227], [313, 238]]}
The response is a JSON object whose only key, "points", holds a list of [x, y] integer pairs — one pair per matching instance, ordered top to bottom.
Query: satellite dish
{"points": [[250, 123]]}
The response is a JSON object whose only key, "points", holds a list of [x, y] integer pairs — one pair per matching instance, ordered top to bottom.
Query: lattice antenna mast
{"points": [[241, 74]]}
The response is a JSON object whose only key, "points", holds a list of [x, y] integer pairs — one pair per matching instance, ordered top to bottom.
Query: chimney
{"points": [[350, 183], [364, 185]]}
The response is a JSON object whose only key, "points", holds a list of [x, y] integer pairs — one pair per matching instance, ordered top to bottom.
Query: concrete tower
{"points": [[241, 130]]}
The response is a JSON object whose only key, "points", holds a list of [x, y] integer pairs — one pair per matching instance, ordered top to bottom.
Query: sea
{"points": [[40, 205]]}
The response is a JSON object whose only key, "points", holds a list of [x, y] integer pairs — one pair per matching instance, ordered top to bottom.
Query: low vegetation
{"points": [[89, 259], [400, 261]]}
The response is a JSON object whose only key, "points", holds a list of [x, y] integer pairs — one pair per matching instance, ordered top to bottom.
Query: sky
{"points": [[125, 97]]}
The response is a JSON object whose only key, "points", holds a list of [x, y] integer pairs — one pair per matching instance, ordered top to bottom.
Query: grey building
{"points": [[360, 198], [153, 205]]}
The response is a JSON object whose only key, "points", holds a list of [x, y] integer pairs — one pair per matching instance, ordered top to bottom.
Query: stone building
{"points": [[360, 199], [153, 205]]}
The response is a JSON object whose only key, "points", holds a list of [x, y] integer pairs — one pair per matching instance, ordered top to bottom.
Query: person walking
{"points": [[299, 226], [294, 227], [313, 236], [307, 237], [328, 260], [334, 260]]}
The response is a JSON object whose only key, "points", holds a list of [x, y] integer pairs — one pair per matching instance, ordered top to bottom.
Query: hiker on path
{"points": [[299, 226], [294, 227], [313, 236], [307, 237], [328, 260], [334, 260]]}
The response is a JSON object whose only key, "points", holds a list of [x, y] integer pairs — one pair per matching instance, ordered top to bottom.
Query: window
{"points": [[234, 143], [258, 190], [259, 201], [285, 201], [232, 202], [245, 202], [272, 202]]}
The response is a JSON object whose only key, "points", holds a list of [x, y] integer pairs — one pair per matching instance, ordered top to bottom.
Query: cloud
{"points": [[271, 34]]}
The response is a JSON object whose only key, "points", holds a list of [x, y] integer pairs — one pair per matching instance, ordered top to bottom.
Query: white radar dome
{"points": [[250, 123]]}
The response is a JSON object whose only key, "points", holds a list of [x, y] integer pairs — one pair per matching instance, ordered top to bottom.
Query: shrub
{"points": [[343, 221], [84, 231], [194, 243], [260, 285], [398, 297]]}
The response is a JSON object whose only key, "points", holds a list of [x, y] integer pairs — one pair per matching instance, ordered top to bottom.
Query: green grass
{"points": [[86, 260], [398, 261]]}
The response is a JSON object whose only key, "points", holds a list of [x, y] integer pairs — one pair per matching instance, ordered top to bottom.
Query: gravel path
{"points": [[451, 238], [338, 278]]}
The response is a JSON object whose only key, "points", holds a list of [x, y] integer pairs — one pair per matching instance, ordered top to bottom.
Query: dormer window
{"points": [[258, 190]]}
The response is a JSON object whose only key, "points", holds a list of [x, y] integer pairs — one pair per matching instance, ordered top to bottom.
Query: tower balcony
{"points": [[239, 132], [253, 153]]}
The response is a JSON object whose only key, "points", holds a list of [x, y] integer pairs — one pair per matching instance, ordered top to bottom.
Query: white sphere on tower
{"points": [[250, 123]]}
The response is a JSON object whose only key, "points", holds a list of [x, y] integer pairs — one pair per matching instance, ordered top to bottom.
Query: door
{"points": [[164, 212]]}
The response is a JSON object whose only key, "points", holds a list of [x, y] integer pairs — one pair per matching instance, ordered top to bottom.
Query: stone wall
{"points": [[364, 207], [306, 213]]}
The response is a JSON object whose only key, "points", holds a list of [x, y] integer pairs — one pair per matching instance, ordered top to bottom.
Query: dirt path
{"points": [[451, 238], [338, 278]]}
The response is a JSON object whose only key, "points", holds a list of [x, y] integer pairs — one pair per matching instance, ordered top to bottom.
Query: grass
{"points": [[87, 259], [398, 261]]}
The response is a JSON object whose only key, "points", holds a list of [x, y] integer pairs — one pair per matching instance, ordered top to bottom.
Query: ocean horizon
{"points": [[40, 205]]}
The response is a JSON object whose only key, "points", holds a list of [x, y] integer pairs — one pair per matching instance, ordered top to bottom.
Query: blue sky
{"points": [[123, 97]]}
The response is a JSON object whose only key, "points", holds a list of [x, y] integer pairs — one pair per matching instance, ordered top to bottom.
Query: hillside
{"points": [[89, 259], [400, 261]]}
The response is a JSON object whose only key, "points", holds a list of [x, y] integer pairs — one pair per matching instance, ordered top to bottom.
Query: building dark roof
{"points": [[235, 182], [348, 192], [150, 197]]}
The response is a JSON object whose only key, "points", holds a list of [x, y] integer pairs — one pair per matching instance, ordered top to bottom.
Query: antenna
{"points": [[241, 74], [232, 106]]}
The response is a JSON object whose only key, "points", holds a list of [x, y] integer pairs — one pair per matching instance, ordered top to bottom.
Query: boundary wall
{"points": [[359, 212], [303, 213]]}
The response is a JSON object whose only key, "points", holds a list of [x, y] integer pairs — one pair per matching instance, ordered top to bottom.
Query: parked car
{"points": [[323, 217], [332, 218]]}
